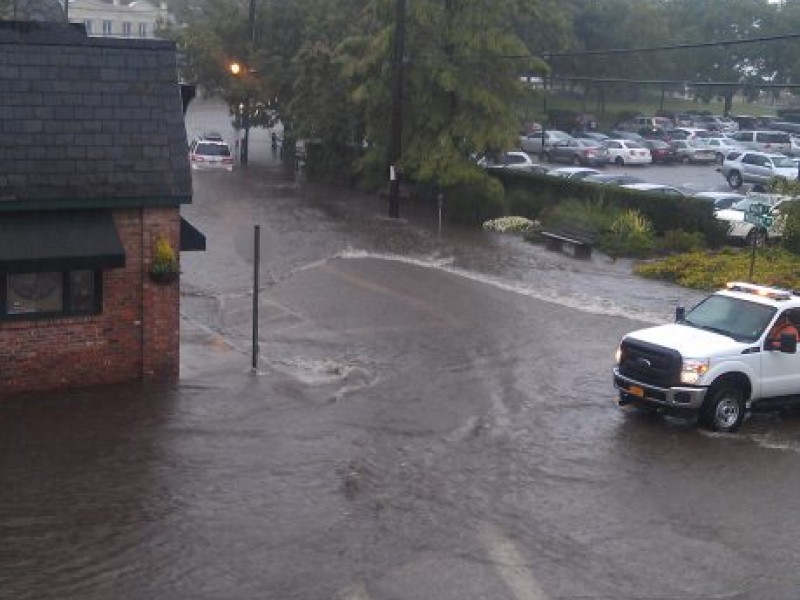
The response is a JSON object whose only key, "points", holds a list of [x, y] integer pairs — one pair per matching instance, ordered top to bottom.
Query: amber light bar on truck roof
{"points": [[760, 290]]}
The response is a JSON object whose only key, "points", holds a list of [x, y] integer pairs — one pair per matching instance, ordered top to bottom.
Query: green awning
{"points": [[191, 237], [59, 241]]}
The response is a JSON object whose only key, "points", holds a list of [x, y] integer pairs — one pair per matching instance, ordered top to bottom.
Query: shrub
{"points": [[476, 203], [526, 203], [590, 214], [511, 225], [630, 234], [790, 239], [677, 240], [711, 270]]}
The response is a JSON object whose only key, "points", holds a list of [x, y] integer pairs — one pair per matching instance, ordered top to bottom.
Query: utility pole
{"points": [[251, 24], [395, 136]]}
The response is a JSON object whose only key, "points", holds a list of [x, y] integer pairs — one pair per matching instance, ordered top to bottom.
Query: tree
{"points": [[721, 20], [461, 69]]}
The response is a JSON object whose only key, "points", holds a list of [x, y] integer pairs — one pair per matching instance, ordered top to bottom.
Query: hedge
{"points": [[667, 213]]}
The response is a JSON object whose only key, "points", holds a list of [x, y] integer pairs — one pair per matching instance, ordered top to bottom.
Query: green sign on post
{"points": [[759, 214]]}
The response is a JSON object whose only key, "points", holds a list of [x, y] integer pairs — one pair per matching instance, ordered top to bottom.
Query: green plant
{"points": [[475, 203], [526, 203], [591, 214], [511, 225], [629, 234], [790, 239], [677, 240], [165, 260], [711, 270]]}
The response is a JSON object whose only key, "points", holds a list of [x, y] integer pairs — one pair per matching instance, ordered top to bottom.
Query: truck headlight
{"points": [[692, 369]]}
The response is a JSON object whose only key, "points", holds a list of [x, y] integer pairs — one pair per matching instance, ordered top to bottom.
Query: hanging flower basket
{"points": [[165, 268], [161, 276]]}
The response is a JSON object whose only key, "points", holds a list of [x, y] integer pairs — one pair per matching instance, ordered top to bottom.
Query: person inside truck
{"points": [[783, 325]]}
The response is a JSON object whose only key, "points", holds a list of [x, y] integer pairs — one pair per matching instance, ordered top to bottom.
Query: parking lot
{"points": [[691, 178]]}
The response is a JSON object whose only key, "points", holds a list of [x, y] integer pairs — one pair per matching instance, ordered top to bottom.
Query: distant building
{"points": [[137, 19]]}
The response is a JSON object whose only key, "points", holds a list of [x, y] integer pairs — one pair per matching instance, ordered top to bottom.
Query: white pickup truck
{"points": [[718, 359]]}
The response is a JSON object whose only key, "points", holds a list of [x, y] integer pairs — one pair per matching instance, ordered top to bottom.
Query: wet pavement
{"points": [[432, 417]]}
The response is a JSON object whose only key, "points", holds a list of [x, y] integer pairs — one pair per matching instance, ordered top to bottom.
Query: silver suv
{"points": [[756, 168]]}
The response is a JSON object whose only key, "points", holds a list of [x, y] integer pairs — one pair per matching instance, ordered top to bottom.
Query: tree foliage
{"points": [[325, 67]]}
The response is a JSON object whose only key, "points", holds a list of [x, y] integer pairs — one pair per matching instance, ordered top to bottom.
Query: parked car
{"points": [[638, 123], [715, 123], [651, 133], [691, 133], [618, 134], [591, 135], [213, 136], [764, 140], [795, 142], [537, 143], [722, 146], [661, 151], [694, 151], [578, 152], [627, 152], [210, 154], [518, 161], [756, 168], [573, 172], [612, 179], [654, 189], [721, 200], [741, 230]]}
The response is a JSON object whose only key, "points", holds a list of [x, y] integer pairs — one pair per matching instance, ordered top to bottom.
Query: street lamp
{"points": [[237, 70]]}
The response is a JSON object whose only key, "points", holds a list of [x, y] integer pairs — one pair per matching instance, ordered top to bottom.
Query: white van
{"points": [[765, 141]]}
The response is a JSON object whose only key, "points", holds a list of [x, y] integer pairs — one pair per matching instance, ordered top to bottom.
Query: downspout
{"points": [[143, 276]]}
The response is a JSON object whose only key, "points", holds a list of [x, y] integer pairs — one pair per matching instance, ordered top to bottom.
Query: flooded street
{"points": [[432, 418]]}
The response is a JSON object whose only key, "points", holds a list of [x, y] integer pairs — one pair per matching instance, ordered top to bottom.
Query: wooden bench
{"points": [[580, 240]]}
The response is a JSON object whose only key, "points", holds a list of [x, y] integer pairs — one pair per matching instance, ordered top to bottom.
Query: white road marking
{"points": [[510, 564]]}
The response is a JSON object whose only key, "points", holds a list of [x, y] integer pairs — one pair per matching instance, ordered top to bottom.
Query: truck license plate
{"points": [[635, 390]]}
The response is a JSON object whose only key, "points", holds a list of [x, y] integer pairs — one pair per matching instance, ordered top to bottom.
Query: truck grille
{"points": [[649, 363]]}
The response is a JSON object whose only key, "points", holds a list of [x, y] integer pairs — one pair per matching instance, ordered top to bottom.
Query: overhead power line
{"points": [[578, 53], [547, 54], [676, 82]]}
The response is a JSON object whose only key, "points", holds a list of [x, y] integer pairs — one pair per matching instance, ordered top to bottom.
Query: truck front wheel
{"points": [[724, 408]]}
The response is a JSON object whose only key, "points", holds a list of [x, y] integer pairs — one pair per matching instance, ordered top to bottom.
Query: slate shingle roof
{"points": [[95, 119]]}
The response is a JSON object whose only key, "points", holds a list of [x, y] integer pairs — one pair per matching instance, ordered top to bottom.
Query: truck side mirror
{"points": [[680, 313], [788, 343]]}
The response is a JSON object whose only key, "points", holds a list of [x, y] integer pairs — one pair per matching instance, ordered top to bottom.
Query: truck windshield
{"points": [[739, 319]]}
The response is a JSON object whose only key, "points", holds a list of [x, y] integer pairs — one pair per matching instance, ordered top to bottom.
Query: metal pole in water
{"points": [[440, 202], [256, 261]]}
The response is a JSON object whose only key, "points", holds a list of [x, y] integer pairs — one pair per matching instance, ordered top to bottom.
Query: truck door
{"points": [[780, 372]]}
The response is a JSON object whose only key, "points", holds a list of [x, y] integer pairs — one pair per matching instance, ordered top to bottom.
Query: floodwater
{"points": [[431, 418]]}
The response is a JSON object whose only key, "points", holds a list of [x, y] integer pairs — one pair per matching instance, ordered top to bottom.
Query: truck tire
{"points": [[619, 161], [735, 180], [723, 409]]}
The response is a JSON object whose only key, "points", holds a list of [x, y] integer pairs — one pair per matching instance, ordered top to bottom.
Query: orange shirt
{"points": [[775, 336]]}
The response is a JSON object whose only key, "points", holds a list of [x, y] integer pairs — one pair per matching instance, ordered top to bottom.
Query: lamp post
{"points": [[237, 70]]}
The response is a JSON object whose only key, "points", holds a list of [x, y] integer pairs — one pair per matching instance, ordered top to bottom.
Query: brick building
{"points": [[93, 170]]}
